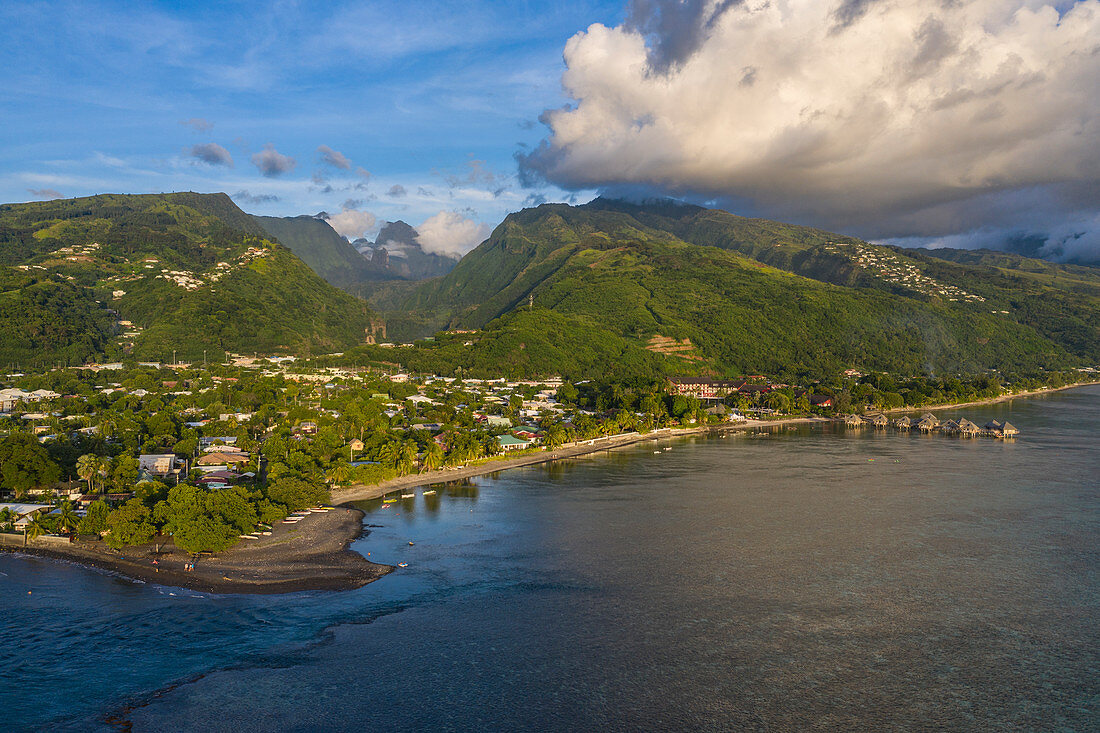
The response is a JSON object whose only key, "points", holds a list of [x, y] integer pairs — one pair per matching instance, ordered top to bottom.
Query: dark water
{"points": [[786, 581]]}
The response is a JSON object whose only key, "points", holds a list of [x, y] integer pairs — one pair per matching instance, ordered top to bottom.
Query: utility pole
{"points": [[204, 358], [174, 362]]}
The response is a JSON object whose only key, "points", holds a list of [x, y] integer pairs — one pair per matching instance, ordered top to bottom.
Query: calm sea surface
{"points": [[791, 580]]}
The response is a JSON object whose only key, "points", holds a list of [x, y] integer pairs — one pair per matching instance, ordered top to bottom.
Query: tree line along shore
{"points": [[203, 466]]}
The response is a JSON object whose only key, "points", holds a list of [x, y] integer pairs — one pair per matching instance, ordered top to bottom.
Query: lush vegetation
{"points": [[319, 246], [191, 272], [580, 291]]}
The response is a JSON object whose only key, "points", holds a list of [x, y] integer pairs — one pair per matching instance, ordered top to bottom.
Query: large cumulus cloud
{"points": [[886, 118], [451, 234]]}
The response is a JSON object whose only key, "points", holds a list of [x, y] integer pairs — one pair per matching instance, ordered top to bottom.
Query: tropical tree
{"points": [[433, 456], [406, 458], [87, 468], [339, 474], [67, 519], [95, 520], [130, 524], [35, 528]]}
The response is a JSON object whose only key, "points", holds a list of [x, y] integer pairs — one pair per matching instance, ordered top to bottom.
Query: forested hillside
{"points": [[153, 275], [706, 291]]}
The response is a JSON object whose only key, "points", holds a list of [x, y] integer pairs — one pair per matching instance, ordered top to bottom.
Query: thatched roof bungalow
{"points": [[878, 420], [853, 421], [903, 423], [927, 424], [949, 426], [968, 428], [999, 429]]}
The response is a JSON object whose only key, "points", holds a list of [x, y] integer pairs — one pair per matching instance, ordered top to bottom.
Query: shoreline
{"points": [[994, 400], [365, 492], [310, 555], [291, 560]]}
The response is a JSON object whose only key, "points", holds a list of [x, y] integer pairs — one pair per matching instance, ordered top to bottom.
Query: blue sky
{"points": [[432, 99], [911, 121]]}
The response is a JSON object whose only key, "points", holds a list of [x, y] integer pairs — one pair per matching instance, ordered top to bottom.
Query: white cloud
{"points": [[909, 117], [352, 223], [449, 233]]}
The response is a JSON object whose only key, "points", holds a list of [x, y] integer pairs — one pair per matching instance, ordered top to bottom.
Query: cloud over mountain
{"points": [[885, 118], [211, 153], [272, 163], [352, 223], [449, 233]]}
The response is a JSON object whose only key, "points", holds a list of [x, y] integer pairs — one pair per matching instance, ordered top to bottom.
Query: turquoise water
{"points": [[789, 580]]}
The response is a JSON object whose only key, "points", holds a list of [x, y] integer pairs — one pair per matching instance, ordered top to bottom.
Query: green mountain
{"points": [[319, 246], [154, 275], [682, 289]]}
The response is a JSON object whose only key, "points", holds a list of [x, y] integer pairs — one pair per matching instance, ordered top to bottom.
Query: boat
{"points": [[668, 448], [656, 452], [429, 491], [408, 496], [388, 501], [266, 533], [249, 537], [410, 543], [402, 565]]}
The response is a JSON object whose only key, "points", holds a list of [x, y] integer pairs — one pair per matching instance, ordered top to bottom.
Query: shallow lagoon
{"points": [[778, 580]]}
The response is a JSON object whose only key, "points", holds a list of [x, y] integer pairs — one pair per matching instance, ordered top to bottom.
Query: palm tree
{"points": [[387, 455], [433, 456], [406, 458], [86, 468], [339, 474], [67, 520], [35, 529]]}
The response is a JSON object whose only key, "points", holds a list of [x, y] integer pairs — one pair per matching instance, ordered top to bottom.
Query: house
{"points": [[703, 388], [821, 400], [497, 421], [306, 427], [511, 443], [214, 459], [157, 464], [24, 513]]}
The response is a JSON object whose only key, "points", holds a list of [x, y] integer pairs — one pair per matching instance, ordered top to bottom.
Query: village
{"points": [[104, 450]]}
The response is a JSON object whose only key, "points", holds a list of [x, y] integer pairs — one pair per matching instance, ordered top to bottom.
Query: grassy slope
{"points": [[122, 242], [319, 246], [613, 273]]}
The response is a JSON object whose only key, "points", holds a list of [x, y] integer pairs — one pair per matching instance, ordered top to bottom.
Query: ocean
{"points": [[796, 579]]}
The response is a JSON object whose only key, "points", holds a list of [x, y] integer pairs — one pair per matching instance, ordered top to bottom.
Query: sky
{"points": [[926, 122]]}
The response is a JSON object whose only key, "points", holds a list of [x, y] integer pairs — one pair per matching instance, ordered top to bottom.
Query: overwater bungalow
{"points": [[878, 420], [853, 421], [903, 423], [927, 424], [949, 426], [968, 428], [999, 429]]}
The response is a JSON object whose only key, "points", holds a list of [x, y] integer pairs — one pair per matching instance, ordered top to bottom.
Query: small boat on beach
{"points": [[429, 491], [408, 496], [388, 501]]}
